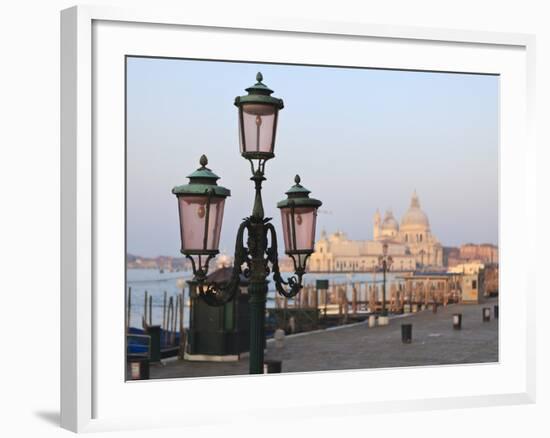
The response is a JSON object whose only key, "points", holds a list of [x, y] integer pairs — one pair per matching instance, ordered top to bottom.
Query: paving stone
{"points": [[434, 342]]}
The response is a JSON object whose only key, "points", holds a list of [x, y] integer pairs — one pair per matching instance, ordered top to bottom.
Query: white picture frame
{"points": [[94, 41]]}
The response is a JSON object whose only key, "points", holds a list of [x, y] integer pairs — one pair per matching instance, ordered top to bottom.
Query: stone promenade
{"points": [[358, 346]]}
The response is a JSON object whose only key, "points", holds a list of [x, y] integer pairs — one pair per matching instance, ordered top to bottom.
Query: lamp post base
{"points": [[257, 293]]}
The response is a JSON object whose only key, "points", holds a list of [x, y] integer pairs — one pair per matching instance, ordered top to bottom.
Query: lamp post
{"points": [[201, 203], [384, 262], [180, 284]]}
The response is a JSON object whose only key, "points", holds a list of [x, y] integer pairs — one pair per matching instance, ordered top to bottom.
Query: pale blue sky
{"points": [[360, 139]]}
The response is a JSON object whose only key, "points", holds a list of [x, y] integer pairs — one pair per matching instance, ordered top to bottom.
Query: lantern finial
{"points": [[259, 77], [203, 160], [297, 179]]}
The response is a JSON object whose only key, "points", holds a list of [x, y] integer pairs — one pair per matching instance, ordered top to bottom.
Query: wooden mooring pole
{"points": [[316, 299], [150, 309], [129, 310], [164, 312], [169, 315], [144, 317], [175, 324], [182, 340]]}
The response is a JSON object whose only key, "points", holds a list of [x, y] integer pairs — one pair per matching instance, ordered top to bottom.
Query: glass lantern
{"points": [[258, 114], [201, 204], [299, 218]]}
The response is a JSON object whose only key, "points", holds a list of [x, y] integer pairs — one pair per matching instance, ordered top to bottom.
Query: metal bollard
{"points": [[495, 311], [486, 314], [457, 321], [154, 332], [406, 333], [272, 366], [138, 368]]}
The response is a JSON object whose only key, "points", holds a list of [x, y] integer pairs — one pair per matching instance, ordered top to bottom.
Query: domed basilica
{"points": [[411, 245]]}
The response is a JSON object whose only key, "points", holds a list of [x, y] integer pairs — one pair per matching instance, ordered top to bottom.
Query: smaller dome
{"points": [[389, 222], [338, 236], [224, 261]]}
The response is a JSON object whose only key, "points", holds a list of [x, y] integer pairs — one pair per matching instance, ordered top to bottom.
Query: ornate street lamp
{"points": [[201, 205], [384, 262]]}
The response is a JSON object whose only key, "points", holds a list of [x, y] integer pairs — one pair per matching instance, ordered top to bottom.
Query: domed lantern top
{"points": [[258, 115], [201, 204], [299, 217]]}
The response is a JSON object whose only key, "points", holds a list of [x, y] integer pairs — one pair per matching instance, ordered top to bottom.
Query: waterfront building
{"points": [[411, 245], [485, 253], [451, 256], [467, 268], [487, 274]]}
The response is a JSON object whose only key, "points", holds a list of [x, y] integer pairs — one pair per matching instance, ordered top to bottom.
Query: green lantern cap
{"points": [[259, 93], [201, 181], [298, 196]]}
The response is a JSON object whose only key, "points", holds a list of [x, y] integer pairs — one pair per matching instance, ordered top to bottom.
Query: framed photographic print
{"points": [[259, 206]]}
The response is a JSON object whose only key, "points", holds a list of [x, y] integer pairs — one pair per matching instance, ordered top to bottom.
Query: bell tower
{"points": [[376, 227]]}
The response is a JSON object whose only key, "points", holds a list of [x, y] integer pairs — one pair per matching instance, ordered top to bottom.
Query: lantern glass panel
{"points": [[257, 127], [192, 211], [305, 219]]}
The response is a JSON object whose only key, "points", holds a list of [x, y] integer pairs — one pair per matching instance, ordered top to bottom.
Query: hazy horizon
{"points": [[360, 139]]}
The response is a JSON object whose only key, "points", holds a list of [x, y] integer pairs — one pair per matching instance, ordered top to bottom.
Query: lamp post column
{"points": [[257, 288], [257, 295], [384, 313]]}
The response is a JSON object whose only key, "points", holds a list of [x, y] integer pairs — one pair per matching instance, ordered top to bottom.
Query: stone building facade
{"points": [[411, 245], [485, 253]]}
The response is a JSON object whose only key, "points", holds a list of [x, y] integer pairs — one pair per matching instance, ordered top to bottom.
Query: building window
{"points": [[421, 237], [474, 284]]}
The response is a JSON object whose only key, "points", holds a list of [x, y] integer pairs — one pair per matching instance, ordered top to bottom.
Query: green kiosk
{"points": [[218, 333]]}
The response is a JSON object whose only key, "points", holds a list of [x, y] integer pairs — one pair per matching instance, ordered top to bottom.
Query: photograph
{"points": [[287, 218], [290, 219]]}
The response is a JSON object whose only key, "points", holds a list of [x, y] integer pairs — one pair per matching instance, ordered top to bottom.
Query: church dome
{"points": [[415, 217], [389, 222]]}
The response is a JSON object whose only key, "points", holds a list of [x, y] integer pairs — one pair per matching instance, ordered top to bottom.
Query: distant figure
{"points": [[292, 324], [279, 336]]}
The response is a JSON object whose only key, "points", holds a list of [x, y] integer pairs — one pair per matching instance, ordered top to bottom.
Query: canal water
{"points": [[156, 283]]}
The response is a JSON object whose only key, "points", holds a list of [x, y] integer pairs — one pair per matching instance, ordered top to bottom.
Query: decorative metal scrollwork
{"points": [[294, 282], [218, 294]]}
